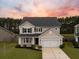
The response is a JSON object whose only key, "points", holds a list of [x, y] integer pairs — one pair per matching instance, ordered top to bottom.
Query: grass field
{"points": [[8, 51], [72, 52]]}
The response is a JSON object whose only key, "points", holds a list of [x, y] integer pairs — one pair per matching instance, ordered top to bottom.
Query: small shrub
{"points": [[76, 44], [17, 46], [24, 46], [33, 46], [39, 46], [62, 46], [36, 47]]}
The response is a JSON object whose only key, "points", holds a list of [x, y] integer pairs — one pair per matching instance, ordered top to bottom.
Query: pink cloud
{"points": [[50, 8], [13, 13]]}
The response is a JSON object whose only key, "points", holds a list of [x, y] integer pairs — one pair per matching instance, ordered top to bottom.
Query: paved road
{"points": [[53, 53]]}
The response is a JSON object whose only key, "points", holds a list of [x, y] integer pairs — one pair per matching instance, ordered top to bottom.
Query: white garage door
{"points": [[50, 43]]}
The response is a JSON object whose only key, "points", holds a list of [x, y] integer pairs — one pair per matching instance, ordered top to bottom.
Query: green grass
{"points": [[68, 35], [8, 51], [73, 53]]}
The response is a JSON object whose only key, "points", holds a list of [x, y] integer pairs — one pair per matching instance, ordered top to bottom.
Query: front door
{"points": [[37, 41]]}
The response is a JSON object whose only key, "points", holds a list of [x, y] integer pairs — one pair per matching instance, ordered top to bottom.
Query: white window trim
{"points": [[27, 30], [25, 40]]}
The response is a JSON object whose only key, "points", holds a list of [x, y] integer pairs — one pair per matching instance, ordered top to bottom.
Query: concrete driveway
{"points": [[53, 53]]}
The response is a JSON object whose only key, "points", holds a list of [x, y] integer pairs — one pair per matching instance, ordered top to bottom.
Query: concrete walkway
{"points": [[53, 53]]}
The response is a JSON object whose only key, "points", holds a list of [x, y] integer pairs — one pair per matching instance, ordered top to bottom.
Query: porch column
{"points": [[33, 30], [76, 39], [19, 40], [33, 41], [40, 42]]}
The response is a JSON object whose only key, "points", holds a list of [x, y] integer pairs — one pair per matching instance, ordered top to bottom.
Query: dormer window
{"points": [[37, 29], [40, 29], [24, 30], [27, 30], [30, 30]]}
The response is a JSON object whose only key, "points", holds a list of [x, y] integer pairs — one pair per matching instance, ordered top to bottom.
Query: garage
{"points": [[51, 39], [50, 43]]}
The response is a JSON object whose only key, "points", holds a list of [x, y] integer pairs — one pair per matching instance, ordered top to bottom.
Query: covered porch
{"points": [[28, 41]]}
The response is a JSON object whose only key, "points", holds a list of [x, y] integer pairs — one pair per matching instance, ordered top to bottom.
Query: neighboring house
{"points": [[42, 31], [76, 33], [6, 35]]}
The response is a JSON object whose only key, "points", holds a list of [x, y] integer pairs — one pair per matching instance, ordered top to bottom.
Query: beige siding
{"points": [[25, 25], [29, 25], [49, 36], [50, 39]]}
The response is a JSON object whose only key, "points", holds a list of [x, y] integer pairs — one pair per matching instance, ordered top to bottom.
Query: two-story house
{"points": [[42, 31], [76, 33]]}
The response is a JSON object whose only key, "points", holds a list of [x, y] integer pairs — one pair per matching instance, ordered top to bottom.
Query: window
{"points": [[38, 29], [24, 30], [27, 30], [30, 30], [30, 39], [24, 40], [27, 40]]}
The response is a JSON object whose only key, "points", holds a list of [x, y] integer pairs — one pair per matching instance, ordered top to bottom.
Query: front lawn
{"points": [[8, 51], [73, 53]]}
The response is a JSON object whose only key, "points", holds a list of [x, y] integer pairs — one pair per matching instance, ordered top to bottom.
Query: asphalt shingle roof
{"points": [[42, 21]]}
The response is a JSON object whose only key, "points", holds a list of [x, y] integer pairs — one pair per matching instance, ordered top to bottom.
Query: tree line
{"points": [[10, 24], [67, 26]]}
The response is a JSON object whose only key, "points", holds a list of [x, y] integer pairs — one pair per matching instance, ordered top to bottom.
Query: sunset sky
{"points": [[38, 8]]}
